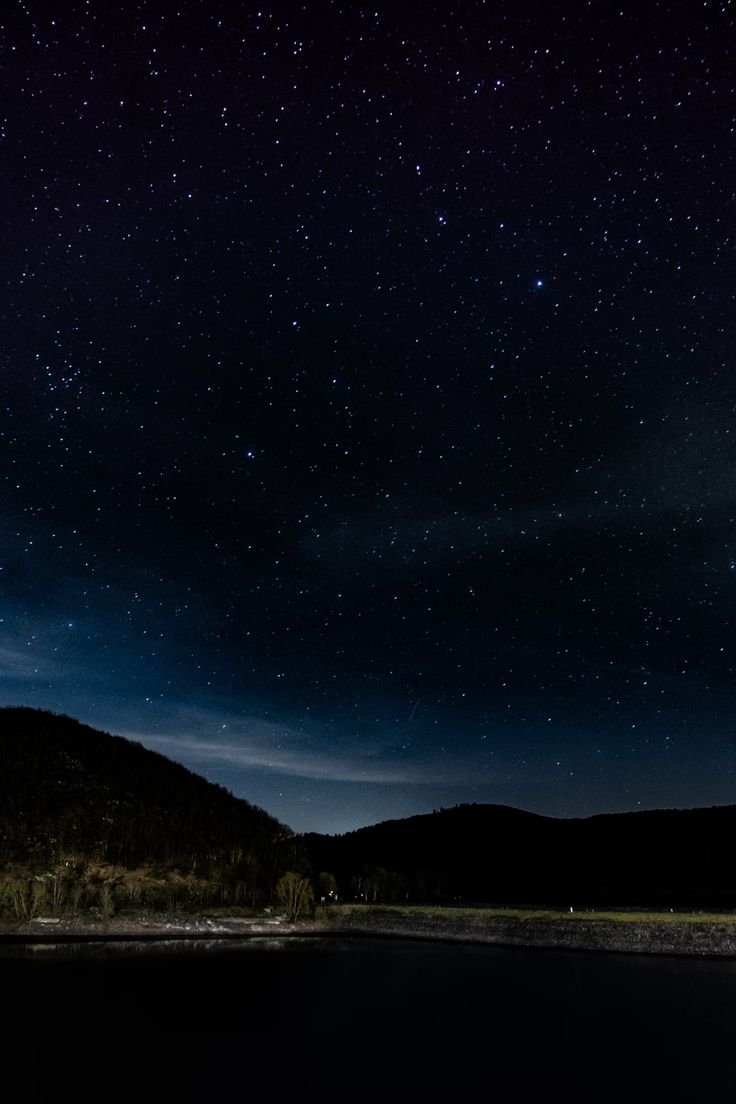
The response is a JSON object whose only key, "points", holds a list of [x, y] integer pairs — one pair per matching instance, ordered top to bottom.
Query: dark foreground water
{"points": [[363, 1019]]}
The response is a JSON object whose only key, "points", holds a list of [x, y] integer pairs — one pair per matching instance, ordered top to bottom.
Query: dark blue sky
{"points": [[368, 396]]}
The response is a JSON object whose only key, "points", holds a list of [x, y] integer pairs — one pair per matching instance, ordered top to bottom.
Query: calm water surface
{"points": [[364, 1017]]}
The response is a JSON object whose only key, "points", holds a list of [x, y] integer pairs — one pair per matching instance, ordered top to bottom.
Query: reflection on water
{"points": [[152, 948], [373, 1018]]}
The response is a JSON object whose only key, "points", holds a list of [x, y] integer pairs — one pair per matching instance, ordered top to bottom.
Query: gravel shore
{"points": [[683, 934]]}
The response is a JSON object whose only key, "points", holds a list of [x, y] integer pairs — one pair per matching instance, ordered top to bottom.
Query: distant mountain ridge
{"points": [[73, 798], [105, 815], [500, 855]]}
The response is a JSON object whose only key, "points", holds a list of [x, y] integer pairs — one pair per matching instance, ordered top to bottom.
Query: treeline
{"points": [[89, 819], [497, 855], [76, 888]]}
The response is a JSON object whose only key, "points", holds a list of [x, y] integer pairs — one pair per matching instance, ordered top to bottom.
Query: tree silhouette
{"points": [[294, 894]]}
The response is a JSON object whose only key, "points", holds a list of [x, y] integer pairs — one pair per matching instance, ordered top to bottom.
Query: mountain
{"points": [[94, 807], [100, 821], [494, 854]]}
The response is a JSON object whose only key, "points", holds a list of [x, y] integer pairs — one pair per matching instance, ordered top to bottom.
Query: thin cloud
{"points": [[393, 540], [22, 664], [282, 749], [314, 766]]}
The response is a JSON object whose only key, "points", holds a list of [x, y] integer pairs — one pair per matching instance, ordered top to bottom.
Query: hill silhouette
{"points": [[91, 806], [105, 821], [499, 855]]}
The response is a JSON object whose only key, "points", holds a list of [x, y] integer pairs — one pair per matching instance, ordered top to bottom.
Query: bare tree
{"points": [[294, 894]]}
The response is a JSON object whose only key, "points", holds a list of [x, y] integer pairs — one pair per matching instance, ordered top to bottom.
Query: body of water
{"points": [[366, 1018]]}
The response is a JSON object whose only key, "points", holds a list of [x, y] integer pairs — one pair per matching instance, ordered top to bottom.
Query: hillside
{"points": [[88, 808], [99, 822], [495, 854]]}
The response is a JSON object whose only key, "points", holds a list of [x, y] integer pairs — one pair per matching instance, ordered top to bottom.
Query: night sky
{"points": [[368, 435]]}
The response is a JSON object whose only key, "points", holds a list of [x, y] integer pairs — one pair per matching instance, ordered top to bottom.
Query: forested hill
{"points": [[70, 794], [498, 855]]}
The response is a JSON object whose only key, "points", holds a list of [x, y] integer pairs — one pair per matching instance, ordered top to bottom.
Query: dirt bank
{"points": [[151, 926], [685, 933]]}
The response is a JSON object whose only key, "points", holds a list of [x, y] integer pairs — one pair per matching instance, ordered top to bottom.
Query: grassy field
{"points": [[483, 914]]}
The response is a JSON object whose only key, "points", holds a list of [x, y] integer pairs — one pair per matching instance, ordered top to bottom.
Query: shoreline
{"points": [[149, 928], [688, 934]]}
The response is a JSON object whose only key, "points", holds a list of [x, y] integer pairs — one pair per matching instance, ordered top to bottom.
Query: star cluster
{"points": [[368, 396]]}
